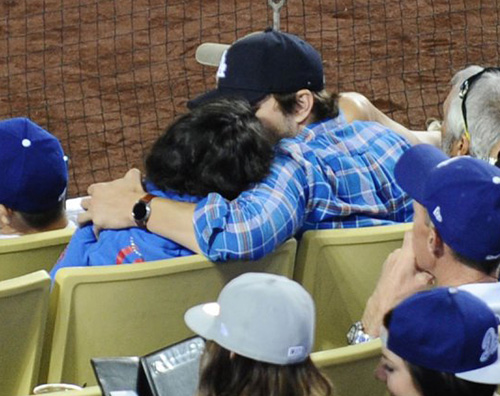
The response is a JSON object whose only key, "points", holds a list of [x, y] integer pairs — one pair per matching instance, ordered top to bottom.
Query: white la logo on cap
{"points": [[221, 71], [437, 214], [492, 256], [489, 345]]}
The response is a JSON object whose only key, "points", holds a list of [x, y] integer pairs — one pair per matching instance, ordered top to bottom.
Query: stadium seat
{"points": [[29, 253], [340, 269], [24, 303], [132, 310], [351, 369]]}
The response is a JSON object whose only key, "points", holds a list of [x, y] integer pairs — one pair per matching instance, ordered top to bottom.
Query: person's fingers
{"points": [[133, 173], [134, 177], [92, 188], [85, 203], [84, 218], [97, 230], [408, 240], [392, 258], [424, 278]]}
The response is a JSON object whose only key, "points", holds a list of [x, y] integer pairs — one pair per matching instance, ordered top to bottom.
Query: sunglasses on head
{"points": [[465, 88]]}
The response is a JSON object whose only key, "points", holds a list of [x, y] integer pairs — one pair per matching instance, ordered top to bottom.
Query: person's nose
{"points": [[380, 373]]}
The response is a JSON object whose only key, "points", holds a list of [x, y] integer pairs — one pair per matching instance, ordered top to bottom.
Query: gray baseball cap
{"points": [[265, 317]]}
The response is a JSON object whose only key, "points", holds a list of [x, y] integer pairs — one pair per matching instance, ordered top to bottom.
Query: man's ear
{"points": [[303, 107], [462, 145], [495, 150], [5, 215], [435, 243]]}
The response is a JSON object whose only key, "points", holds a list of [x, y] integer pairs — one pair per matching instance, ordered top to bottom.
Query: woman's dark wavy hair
{"points": [[217, 147], [223, 374], [438, 383]]}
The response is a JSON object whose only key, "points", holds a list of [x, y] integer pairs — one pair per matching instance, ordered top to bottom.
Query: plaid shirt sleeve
{"points": [[330, 177], [256, 222]]}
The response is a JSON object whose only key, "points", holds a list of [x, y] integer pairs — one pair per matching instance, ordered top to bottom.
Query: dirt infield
{"points": [[106, 76]]}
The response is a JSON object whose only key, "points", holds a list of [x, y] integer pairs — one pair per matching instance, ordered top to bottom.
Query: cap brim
{"points": [[210, 54], [251, 96], [414, 167], [488, 292], [201, 322], [485, 375]]}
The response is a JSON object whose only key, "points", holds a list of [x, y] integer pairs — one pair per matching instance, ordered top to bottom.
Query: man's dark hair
{"points": [[325, 104], [217, 147], [42, 220], [488, 267]]}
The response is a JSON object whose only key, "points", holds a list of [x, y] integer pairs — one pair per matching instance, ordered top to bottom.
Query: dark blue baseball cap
{"points": [[265, 63], [33, 171], [461, 195], [447, 330]]}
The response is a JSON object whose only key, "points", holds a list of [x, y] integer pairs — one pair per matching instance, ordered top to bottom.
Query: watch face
{"points": [[140, 210]]}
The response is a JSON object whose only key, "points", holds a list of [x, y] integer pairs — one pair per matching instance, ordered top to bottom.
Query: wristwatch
{"points": [[142, 210], [357, 335]]}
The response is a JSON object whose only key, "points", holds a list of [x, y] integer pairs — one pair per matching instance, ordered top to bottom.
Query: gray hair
{"points": [[483, 112]]}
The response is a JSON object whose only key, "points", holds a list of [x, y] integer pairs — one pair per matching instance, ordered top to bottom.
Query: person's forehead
{"points": [[390, 356]]}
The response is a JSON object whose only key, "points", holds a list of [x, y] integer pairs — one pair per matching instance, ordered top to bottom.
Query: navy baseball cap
{"points": [[265, 63], [33, 171], [461, 195], [447, 330]]}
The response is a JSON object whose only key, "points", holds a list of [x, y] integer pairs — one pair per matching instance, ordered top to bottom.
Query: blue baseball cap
{"points": [[265, 63], [33, 171], [461, 195], [447, 330]]}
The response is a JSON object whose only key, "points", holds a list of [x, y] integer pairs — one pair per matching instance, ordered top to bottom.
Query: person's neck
{"points": [[495, 150], [62, 222], [20, 228], [459, 274]]}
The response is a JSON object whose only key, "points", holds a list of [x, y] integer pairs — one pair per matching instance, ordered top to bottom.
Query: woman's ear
{"points": [[303, 108]]}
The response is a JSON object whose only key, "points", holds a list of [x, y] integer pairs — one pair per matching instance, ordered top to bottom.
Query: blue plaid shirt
{"points": [[333, 175]]}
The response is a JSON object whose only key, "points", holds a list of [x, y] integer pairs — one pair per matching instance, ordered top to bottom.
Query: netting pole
{"points": [[276, 6]]}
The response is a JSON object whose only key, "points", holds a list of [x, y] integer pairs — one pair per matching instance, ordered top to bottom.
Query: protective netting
{"points": [[107, 76]]}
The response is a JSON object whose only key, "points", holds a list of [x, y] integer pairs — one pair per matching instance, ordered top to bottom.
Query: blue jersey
{"points": [[131, 245]]}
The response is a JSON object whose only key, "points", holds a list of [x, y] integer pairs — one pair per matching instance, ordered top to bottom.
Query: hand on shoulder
{"points": [[110, 204]]}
